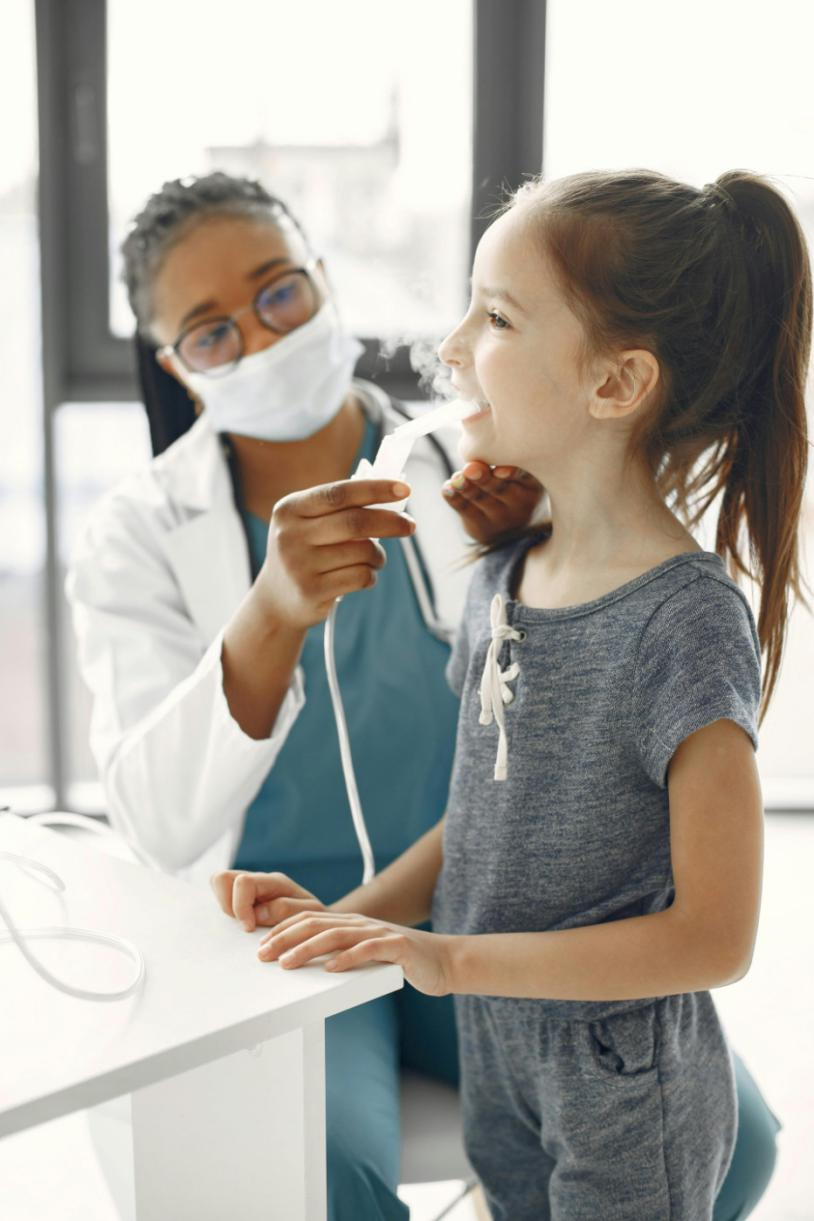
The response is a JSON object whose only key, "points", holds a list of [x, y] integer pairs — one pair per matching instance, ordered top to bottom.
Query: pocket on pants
{"points": [[624, 1047]]}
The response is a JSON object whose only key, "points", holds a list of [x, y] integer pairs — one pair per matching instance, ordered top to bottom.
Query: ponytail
{"points": [[717, 285], [765, 456]]}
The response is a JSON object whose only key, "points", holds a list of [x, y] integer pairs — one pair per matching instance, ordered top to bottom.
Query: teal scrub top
{"points": [[401, 719]]}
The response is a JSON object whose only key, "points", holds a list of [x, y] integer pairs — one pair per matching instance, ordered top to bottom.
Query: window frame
{"points": [[82, 360]]}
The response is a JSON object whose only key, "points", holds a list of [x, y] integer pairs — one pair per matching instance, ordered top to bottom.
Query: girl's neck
{"points": [[269, 470], [600, 537]]}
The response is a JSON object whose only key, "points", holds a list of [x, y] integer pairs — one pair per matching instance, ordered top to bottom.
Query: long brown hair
{"points": [[717, 285]]}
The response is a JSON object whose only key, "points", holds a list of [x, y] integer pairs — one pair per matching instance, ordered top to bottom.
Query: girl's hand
{"points": [[492, 501], [261, 900], [351, 940]]}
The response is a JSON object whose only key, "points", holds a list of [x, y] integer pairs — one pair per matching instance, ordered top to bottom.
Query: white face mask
{"points": [[288, 391]]}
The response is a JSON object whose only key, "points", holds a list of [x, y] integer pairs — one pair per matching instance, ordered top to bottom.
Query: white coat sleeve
{"points": [[177, 769]]}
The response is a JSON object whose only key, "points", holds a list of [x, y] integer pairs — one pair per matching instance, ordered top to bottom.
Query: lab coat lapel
{"points": [[210, 543], [207, 549]]}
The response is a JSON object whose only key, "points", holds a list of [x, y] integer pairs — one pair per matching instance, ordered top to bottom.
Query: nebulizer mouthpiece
{"points": [[394, 450], [389, 463]]}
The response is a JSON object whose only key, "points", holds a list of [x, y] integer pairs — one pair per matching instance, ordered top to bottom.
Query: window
{"points": [[732, 87], [386, 137], [371, 148], [96, 445], [24, 727]]}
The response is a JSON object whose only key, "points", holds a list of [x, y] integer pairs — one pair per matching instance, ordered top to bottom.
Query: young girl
{"points": [[632, 341]]}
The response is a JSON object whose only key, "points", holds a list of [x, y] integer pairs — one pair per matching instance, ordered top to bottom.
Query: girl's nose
{"points": [[450, 350]]}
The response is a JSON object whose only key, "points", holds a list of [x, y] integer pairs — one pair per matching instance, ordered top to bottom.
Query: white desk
{"points": [[223, 1055]]}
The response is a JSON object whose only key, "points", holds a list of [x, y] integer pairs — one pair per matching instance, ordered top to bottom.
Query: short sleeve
{"points": [[458, 659], [698, 661]]}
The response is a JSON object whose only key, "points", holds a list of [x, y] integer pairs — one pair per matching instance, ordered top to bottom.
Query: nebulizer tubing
{"points": [[389, 463], [20, 936]]}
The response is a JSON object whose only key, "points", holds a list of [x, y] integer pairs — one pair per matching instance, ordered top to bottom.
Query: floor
{"points": [[50, 1173]]}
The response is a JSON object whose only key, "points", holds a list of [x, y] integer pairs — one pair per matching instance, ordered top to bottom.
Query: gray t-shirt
{"points": [[578, 832]]}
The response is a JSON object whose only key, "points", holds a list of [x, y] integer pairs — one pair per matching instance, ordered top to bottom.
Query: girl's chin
{"points": [[472, 447], [470, 451]]}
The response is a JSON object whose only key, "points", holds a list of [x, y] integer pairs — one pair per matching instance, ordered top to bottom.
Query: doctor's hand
{"points": [[492, 501], [322, 545], [261, 900], [351, 940]]}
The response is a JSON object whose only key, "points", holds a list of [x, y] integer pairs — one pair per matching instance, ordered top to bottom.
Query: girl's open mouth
{"points": [[484, 410]]}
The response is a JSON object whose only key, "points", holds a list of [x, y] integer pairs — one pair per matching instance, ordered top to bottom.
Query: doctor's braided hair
{"points": [[172, 211], [716, 283]]}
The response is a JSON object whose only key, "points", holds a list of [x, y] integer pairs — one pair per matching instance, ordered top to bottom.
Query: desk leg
{"points": [[239, 1137]]}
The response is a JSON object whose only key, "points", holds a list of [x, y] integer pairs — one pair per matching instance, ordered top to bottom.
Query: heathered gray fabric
{"points": [[578, 833], [590, 1110], [632, 1118]]}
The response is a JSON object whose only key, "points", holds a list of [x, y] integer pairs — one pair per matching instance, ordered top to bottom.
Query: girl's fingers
{"points": [[244, 896], [272, 914], [304, 924], [322, 943], [375, 949]]}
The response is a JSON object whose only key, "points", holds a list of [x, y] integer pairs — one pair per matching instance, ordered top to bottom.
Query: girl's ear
{"points": [[626, 386]]}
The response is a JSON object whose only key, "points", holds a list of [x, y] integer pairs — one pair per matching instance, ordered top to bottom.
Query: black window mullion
{"points": [[509, 77]]}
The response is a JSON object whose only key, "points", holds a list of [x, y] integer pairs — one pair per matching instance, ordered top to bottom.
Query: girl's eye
{"points": [[499, 323]]}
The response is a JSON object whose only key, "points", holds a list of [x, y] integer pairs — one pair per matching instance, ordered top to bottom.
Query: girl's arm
{"points": [[401, 893], [704, 940]]}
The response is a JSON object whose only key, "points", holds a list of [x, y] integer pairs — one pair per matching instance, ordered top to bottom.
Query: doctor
{"points": [[199, 590]]}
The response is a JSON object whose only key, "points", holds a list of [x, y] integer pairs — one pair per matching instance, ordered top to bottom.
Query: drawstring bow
{"points": [[494, 689]]}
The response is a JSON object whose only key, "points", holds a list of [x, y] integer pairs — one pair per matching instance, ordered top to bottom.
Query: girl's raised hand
{"points": [[492, 501], [261, 900], [351, 940]]}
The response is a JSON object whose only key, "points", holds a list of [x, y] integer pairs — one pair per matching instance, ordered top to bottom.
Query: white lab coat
{"points": [[159, 570]]}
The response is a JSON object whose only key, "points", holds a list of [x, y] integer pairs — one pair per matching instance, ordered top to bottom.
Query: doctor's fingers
{"points": [[509, 485], [330, 498], [352, 525], [344, 555], [324, 588]]}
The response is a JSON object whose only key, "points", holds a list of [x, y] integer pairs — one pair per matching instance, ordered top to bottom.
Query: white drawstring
{"points": [[494, 689]]}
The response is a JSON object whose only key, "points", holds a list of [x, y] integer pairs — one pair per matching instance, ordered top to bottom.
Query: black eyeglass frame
{"points": [[221, 370]]}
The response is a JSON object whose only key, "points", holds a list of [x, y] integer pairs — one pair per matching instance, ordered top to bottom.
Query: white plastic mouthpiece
{"points": [[446, 413], [394, 450]]}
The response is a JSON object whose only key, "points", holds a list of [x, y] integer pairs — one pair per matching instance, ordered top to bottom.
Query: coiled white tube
{"points": [[42, 873]]}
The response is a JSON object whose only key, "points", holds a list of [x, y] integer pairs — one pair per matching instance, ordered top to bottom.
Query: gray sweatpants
{"points": [[630, 1118]]}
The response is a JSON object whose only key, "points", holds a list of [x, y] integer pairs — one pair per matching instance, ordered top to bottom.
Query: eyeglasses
{"points": [[215, 346]]}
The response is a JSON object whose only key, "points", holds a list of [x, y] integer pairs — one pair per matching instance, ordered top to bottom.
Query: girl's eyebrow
{"points": [[486, 291]]}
